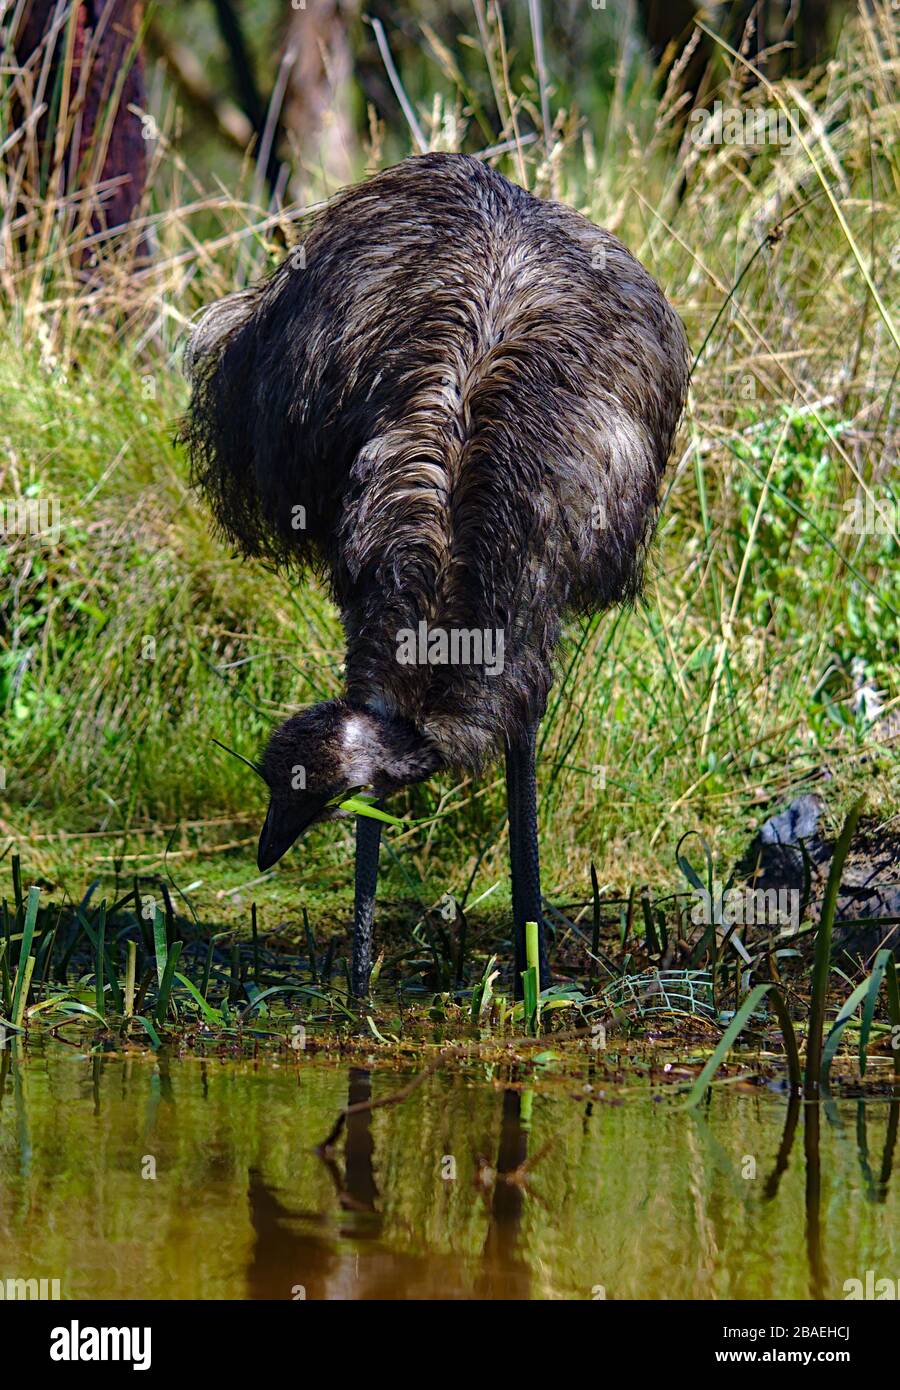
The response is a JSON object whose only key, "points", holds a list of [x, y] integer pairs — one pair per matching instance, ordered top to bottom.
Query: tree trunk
{"points": [[318, 118], [103, 148]]}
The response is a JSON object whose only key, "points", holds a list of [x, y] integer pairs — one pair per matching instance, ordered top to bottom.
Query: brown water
{"points": [[747, 1198]]}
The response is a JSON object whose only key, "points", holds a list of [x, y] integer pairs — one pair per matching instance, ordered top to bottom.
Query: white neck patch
{"points": [[357, 740]]}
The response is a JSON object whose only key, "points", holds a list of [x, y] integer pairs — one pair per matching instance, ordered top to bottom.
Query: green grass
{"points": [[130, 645], [143, 970]]}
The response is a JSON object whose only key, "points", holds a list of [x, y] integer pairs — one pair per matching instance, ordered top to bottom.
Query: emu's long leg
{"points": [[521, 796], [512, 806], [368, 840]]}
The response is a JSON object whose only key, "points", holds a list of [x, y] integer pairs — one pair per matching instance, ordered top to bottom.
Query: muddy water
{"points": [[188, 1179]]}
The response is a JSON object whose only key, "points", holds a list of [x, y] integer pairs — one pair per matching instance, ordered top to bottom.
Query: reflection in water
{"points": [[890, 1144], [784, 1148], [812, 1152], [813, 1184], [876, 1188], [358, 1191], [413, 1203], [296, 1254], [505, 1272]]}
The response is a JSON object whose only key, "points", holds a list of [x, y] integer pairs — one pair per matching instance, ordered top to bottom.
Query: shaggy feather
{"points": [[468, 397]]}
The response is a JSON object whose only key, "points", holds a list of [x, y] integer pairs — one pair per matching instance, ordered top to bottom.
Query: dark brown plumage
{"points": [[456, 403]]}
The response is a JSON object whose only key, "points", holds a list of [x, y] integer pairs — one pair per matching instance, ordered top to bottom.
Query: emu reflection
{"points": [[305, 1254], [504, 1272]]}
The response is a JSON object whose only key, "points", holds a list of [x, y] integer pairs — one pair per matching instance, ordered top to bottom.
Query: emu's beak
{"points": [[284, 823]]}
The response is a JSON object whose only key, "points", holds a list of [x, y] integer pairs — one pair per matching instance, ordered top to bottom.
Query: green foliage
{"points": [[818, 522], [134, 641]]}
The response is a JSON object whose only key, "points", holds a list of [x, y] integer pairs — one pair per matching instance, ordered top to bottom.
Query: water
{"points": [[747, 1198]]}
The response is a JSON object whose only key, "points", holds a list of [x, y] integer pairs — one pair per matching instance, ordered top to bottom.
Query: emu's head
{"points": [[315, 759]]}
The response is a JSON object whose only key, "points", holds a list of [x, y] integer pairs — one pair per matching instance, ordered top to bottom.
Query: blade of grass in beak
{"points": [[358, 807]]}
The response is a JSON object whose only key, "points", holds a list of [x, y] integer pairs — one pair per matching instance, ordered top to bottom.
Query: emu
{"points": [[457, 405]]}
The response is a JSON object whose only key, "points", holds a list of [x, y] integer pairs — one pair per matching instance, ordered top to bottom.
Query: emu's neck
{"points": [[462, 714], [381, 748]]}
